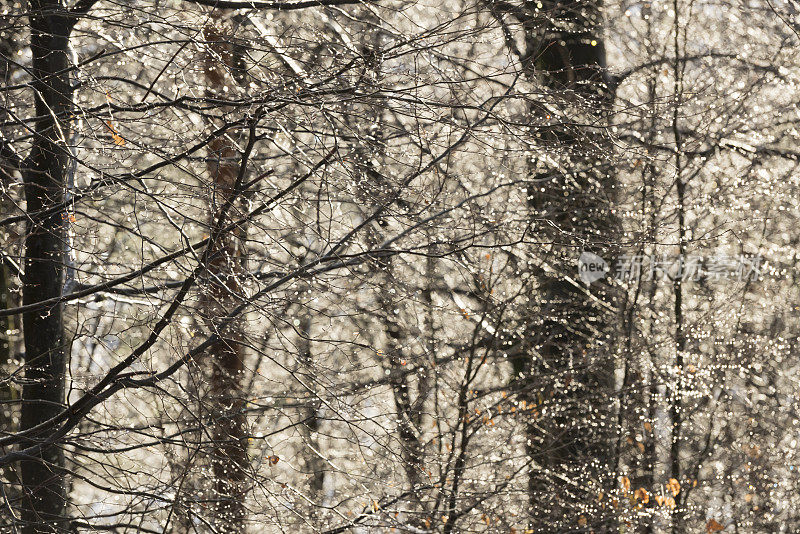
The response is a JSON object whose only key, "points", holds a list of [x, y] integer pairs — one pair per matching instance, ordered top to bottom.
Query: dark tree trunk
{"points": [[225, 265], [566, 370], [43, 505]]}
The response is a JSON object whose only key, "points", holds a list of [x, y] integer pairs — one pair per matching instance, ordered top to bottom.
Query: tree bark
{"points": [[225, 266], [567, 367], [44, 500]]}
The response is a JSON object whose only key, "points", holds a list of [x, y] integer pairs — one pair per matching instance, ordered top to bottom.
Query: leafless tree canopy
{"points": [[367, 266]]}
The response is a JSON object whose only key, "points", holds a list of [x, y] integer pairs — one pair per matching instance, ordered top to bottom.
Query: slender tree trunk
{"points": [[224, 269], [409, 400], [408, 405], [676, 408], [314, 463], [44, 500]]}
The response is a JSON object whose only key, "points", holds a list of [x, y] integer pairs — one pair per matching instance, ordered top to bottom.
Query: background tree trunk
{"points": [[225, 265], [567, 367], [315, 464]]}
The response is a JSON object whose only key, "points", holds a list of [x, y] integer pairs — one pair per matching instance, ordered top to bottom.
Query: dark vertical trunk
{"points": [[568, 367], [651, 383], [650, 396], [226, 400], [410, 406], [676, 409], [229, 453], [43, 505]]}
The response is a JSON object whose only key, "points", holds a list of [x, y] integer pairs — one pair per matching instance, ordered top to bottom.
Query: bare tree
{"points": [[225, 263], [313, 267], [569, 331], [46, 348]]}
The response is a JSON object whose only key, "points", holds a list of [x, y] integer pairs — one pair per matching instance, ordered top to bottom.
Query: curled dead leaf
{"points": [[674, 486]]}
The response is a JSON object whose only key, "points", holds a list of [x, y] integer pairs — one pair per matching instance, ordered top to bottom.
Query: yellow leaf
{"points": [[118, 140], [648, 426], [626, 483], [674, 486], [642, 495], [582, 521], [714, 526]]}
